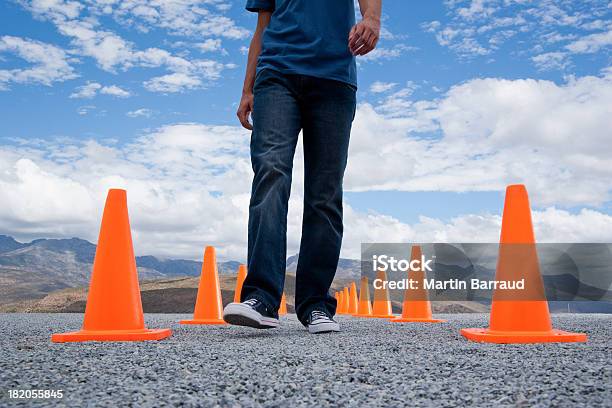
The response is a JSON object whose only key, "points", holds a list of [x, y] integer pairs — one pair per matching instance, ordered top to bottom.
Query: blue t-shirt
{"points": [[308, 37]]}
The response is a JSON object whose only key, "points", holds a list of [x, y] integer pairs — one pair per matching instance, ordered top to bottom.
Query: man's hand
{"points": [[364, 36], [245, 108]]}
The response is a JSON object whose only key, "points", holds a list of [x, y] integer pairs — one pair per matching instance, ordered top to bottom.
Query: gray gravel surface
{"points": [[370, 363]]}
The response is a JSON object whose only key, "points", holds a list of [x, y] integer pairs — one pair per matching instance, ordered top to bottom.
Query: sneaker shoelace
{"points": [[251, 302], [317, 314]]}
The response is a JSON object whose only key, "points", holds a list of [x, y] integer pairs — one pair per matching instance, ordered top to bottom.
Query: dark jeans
{"points": [[324, 110]]}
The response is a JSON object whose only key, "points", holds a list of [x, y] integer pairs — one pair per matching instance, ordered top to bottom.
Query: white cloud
{"points": [[53, 9], [477, 9], [197, 18], [595, 25], [482, 27], [591, 43], [211, 45], [108, 49], [111, 52], [386, 53], [551, 60], [49, 63], [173, 83], [380, 87], [91, 89], [114, 90], [86, 91], [398, 103], [85, 110], [142, 112], [495, 132], [487, 133], [171, 175], [189, 183], [188, 186], [65, 200], [551, 225]]}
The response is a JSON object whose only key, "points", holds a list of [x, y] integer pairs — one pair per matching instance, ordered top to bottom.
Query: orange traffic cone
{"points": [[240, 277], [346, 300], [382, 304], [341, 305], [352, 306], [114, 307], [208, 307], [365, 307], [416, 307], [282, 310], [526, 319]]}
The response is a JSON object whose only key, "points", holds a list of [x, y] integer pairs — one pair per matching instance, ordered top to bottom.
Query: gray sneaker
{"points": [[251, 313], [321, 322]]}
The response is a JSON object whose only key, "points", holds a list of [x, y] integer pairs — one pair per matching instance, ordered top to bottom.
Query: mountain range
{"points": [[32, 270], [53, 275]]}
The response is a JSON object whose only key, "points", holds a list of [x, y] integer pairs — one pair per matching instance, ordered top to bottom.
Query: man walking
{"points": [[301, 76]]}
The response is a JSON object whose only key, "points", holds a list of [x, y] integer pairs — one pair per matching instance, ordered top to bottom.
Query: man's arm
{"points": [[364, 35], [246, 102]]}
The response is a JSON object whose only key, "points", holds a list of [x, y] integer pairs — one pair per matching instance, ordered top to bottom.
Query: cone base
{"points": [[381, 316], [415, 320], [203, 321], [111, 335], [553, 336]]}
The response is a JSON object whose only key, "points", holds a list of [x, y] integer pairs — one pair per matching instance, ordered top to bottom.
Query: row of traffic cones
{"points": [[114, 307], [415, 308], [510, 320]]}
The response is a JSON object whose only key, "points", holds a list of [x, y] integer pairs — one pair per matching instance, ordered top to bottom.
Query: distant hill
{"points": [[8, 244], [347, 268], [30, 271], [178, 295]]}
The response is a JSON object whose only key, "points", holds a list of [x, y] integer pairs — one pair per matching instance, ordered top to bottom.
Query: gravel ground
{"points": [[371, 363]]}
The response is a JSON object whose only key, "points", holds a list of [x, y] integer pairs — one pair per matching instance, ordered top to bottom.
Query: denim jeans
{"points": [[324, 109]]}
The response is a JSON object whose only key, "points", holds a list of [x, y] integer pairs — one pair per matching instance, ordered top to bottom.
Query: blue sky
{"points": [[426, 63], [461, 99]]}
